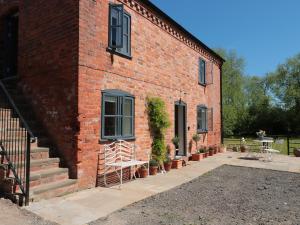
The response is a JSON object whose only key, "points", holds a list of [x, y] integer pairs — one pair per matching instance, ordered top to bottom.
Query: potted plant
{"points": [[196, 139], [175, 141], [243, 145], [210, 151], [297, 152], [198, 155], [176, 163], [167, 164], [153, 166], [143, 171]]}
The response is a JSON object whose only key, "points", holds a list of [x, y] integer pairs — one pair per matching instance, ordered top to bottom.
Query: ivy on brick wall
{"points": [[158, 121]]}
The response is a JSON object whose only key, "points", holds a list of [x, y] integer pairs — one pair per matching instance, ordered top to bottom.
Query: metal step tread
{"points": [[47, 173], [51, 186]]}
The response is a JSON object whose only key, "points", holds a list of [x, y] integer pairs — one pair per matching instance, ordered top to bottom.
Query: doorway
{"points": [[10, 46], [180, 127]]}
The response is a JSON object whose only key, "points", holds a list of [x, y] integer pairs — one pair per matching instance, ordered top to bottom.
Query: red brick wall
{"points": [[48, 65], [161, 65]]}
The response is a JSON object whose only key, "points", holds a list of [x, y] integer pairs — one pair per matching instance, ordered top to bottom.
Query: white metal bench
{"points": [[119, 155]]}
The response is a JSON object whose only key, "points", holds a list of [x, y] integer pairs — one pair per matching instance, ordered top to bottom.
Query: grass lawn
{"points": [[283, 148]]}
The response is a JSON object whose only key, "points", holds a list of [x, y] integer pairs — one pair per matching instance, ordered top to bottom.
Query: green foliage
{"points": [[232, 90], [251, 103], [158, 117], [159, 122], [196, 139], [175, 141], [159, 150], [201, 150], [167, 159], [153, 163]]}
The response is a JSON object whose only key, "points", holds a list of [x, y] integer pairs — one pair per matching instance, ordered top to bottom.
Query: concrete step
{"points": [[36, 153], [42, 164], [48, 176], [54, 189]]}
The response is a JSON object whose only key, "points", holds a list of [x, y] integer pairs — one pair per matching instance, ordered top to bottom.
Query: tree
{"points": [[285, 86], [232, 91]]}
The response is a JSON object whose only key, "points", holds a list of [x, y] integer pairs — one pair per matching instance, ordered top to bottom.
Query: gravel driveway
{"points": [[228, 195]]}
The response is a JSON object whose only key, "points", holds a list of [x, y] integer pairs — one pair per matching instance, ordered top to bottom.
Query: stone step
{"points": [[35, 153], [42, 164], [48, 176], [54, 189]]}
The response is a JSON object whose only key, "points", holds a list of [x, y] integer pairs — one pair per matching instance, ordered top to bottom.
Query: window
{"points": [[119, 30], [202, 72], [117, 115], [202, 119]]}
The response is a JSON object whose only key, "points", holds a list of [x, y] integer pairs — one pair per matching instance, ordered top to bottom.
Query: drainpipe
{"points": [[221, 104]]}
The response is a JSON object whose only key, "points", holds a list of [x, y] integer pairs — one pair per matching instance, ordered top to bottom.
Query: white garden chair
{"points": [[270, 151], [119, 155]]}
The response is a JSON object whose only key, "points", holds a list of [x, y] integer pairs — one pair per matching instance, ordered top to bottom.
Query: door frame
{"points": [[181, 103]]}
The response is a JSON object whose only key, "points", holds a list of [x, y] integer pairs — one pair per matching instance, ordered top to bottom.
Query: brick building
{"points": [[85, 68]]}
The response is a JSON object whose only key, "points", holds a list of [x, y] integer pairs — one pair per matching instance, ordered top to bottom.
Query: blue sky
{"points": [[264, 32]]}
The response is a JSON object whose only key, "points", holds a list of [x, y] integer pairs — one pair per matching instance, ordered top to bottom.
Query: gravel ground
{"points": [[228, 195], [11, 214]]}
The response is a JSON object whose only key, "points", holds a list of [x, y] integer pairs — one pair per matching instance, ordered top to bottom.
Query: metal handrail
{"points": [[17, 111], [15, 142]]}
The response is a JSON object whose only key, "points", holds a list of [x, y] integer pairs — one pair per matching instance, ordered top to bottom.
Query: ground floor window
{"points": [[117, 120], [202, 125]]}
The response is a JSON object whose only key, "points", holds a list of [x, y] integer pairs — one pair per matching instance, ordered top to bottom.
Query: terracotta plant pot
{"points": [[243, 148], [235, 149], [210, 152], [297, 152], [206, 154], [197, 156], [176, 163], [168, 166], [153, 170], [143, 172]]}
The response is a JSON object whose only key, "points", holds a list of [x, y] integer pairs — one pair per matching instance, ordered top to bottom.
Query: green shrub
{"points": [[159, 122], [196, 139], [175, 141], [153, 163]]}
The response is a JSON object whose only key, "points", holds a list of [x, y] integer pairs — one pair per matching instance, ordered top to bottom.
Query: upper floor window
{"points": [[119, 30], [202, 72], [117, 115]]}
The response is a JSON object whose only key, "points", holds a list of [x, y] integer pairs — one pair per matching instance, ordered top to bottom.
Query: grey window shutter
{"points": [[116, 12], [210, 119]]}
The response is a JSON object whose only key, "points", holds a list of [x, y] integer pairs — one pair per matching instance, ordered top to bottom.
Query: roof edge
{"points": [[181, 28]]}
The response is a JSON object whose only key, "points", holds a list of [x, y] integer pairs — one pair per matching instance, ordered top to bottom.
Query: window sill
{"points": [[112, 51], [201, 84], [202, 131], [105, 140]]}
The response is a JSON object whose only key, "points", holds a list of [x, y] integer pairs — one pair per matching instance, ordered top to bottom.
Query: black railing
{"points": [[15, 141]]}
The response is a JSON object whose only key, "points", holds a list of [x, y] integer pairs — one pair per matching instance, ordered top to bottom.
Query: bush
{"points": [[159, 122], [153, 163]]}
